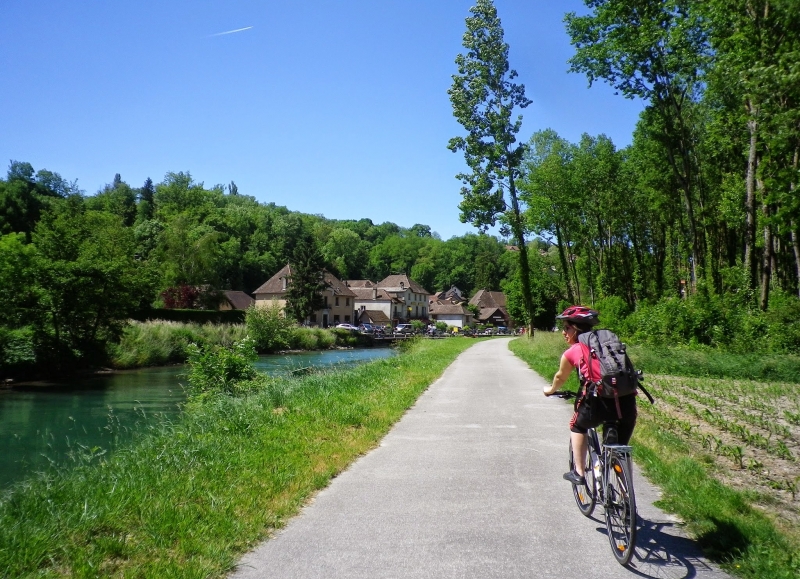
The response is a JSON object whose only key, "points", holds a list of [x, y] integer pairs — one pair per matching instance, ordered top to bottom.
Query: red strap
{"points": [[588, 356]]}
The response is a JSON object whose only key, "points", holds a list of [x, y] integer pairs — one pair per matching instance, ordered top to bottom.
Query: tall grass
{"points": [[159, 342], [187, 499], [725, 522]]}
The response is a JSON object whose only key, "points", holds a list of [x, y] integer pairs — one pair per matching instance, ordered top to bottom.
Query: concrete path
{"points": [[468, 485]]}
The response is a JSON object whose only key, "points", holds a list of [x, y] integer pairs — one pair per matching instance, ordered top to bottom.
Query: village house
{"points": [[412, 298], [235, 300], [339, 300], [372, 305], [450, 307], [492, 307], [452, 314]]}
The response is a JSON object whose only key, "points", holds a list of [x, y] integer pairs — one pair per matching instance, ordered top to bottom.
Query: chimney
{"points": [[374, 293]]}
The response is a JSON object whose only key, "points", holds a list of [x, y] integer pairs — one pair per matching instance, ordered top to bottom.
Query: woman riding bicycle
{"points": [[590, 411]]}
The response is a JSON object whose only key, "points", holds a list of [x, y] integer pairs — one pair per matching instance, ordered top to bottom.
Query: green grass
{"points": [[189, 498], [727, 525]]}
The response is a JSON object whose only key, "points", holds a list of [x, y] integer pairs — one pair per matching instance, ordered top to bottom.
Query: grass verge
{"points": [[189, 499], [727, 523]]}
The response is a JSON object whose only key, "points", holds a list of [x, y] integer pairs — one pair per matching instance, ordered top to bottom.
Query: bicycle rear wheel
{"points": [[584, 494], [620, 506]]}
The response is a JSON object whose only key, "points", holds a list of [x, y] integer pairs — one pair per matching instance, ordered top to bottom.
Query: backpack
{"points": [[617, 374]]}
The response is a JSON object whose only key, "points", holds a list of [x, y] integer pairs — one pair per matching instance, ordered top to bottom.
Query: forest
{"points": [[689, 235]]}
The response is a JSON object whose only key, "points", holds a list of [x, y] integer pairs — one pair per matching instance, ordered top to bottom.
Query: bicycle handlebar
{"points": [[565, 394]]}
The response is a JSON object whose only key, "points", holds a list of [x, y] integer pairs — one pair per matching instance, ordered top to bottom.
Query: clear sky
{"points": [[333, 107]]}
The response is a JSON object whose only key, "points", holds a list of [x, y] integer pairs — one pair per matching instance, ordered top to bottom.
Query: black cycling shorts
{"points": [[592, 411]]}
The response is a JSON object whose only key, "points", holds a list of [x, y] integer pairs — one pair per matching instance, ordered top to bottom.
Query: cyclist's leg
{"points": [[581, 422], [627, 423], [579, 447]]}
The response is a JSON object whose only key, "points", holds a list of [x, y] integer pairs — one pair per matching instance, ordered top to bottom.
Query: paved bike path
{"points": [[468, 485]]}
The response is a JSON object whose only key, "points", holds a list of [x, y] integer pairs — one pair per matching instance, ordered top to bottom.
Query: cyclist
{"points": [[590, 411]]}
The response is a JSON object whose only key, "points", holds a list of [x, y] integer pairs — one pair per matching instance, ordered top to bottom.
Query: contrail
{"points": [[230, 31]]}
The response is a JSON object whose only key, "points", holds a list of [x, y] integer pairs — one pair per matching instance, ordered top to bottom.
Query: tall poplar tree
{"points": [[484, 97], [304, 294]]}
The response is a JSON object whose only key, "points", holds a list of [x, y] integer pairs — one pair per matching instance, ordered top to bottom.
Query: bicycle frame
{"points": [[609, 481]]}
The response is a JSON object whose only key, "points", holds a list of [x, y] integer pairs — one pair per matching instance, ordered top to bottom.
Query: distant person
{"points": [[590, 410]]}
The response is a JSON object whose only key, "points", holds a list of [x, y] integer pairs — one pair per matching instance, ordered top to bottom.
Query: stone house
{"points": [[411, 298], [339, 300], [372, 305], [492, 308]]}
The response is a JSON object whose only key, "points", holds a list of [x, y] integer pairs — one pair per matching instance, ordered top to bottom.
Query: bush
{"points": [[613, 311], [722, 322], [269, 328], [303, 338], [17, 352], [217, 369]]}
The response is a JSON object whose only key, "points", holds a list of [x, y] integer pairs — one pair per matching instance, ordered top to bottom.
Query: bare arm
{"points": [[564, 370]]}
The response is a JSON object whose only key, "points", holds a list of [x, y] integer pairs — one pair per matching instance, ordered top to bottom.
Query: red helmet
{"points": [[579, 315]]}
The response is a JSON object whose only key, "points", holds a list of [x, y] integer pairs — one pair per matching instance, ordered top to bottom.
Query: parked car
{"points": [[350, 327], [366, 328], [403, 329]]}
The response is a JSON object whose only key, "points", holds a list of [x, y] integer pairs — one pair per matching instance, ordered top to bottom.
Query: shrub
{"points": [[613, 311], [269, 328], [17, 352], [219, 369]]}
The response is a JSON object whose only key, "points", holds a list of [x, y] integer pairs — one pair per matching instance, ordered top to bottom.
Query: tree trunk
{"points": [[750, 204], [793, 223], [524, 265], [564, 265], [766, 271]]}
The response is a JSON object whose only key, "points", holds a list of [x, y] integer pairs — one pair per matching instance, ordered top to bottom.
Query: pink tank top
{"points": [[575, 356]]}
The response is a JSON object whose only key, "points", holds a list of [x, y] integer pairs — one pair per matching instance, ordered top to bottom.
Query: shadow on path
{"points": [[661, 552]]}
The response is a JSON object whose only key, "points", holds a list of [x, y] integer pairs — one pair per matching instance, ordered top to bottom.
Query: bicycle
{"points": [[609, 481]]}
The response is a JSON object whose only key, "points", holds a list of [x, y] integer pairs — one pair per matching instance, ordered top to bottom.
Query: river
{"points": [[42, 426]]}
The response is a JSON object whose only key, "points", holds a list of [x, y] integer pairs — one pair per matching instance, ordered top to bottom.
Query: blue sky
{"points": [[337, 108]]}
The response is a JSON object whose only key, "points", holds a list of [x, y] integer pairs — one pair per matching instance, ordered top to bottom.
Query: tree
{"points": [[656, 51], [484, 98], [147, 194], [345, 251], [87, 282], [304, 292]]}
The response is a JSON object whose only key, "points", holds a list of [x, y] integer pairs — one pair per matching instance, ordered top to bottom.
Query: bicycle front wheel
{"points": [[584, 494], [620, 506]]}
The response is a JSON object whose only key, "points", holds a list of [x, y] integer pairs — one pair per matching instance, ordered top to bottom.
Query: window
{"points": [[326, 301], [337, 301], [347, 301], [313, 318], [335, 319], [347, 319]]}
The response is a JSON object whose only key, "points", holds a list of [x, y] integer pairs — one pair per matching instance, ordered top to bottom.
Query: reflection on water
{"points": [[41, 425]]}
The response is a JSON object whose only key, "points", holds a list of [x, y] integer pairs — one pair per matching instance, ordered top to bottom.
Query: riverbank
{"points": [[160, 342], [709, 450], [187, 499]]}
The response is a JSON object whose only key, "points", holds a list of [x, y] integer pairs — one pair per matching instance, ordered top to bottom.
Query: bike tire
{"points": [[585, 496], [620, 507]]}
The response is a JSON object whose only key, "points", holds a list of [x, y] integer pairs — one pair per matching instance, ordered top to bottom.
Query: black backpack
{"points": [[617, 374]]}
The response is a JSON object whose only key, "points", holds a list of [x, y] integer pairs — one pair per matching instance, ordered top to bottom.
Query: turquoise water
{"points": [[42, 426]]}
